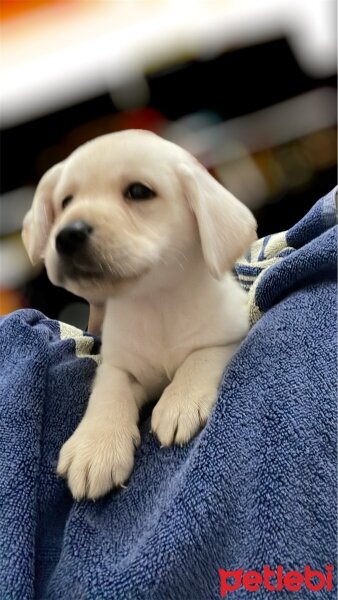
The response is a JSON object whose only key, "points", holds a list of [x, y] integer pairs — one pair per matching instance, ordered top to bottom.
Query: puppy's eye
{"points": [[138, 191], [66, 201]]}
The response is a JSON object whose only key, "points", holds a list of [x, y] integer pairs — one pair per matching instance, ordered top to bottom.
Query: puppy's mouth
{"points": [[78, 271], [88, 271]]}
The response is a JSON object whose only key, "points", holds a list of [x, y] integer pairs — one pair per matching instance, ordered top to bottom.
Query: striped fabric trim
{"points": [[250, 268], [84, 343]]}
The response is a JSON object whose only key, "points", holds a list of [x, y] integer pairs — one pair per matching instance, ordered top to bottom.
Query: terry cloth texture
{"points": [[255, 488]]}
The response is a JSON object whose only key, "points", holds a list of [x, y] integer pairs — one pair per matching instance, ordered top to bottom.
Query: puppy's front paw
{"points": [[178, 416], [97, 458]]}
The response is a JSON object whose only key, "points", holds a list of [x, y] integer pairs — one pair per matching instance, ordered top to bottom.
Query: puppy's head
{"points": [[130, 204]]}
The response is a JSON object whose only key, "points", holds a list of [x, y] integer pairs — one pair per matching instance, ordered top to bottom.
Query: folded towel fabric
{"points": [[256, 487]]}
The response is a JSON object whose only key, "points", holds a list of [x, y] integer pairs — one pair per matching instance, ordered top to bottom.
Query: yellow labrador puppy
{"points": [[135, 223]]}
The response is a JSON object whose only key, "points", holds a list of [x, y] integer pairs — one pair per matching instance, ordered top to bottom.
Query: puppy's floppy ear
{"points": [[39, 219], [226, 226]]}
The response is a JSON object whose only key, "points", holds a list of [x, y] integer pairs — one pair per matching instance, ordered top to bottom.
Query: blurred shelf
{"points": [[272, 126]]}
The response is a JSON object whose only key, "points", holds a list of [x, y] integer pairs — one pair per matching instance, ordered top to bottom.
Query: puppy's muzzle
{"points": [[73, 238], [75, 252]]}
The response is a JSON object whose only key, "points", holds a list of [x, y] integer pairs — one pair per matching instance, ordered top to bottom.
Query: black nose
{"points": [[72, 237]]}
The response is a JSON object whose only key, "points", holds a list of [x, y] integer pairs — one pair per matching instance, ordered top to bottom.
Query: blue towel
{"points": [[255, 488]]}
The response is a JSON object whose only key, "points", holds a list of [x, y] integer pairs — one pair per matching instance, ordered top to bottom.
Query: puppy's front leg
{"points": [[186, 403], [100, 453]]}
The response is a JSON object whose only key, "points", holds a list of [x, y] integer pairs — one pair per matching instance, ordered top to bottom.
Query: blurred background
{"points": [[249, 87]]}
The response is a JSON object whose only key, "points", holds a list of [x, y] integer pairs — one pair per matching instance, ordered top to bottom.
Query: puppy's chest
{"points": [[148, 346]]}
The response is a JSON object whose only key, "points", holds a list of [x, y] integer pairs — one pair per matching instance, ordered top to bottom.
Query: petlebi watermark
{"points": [[276, 580]]}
